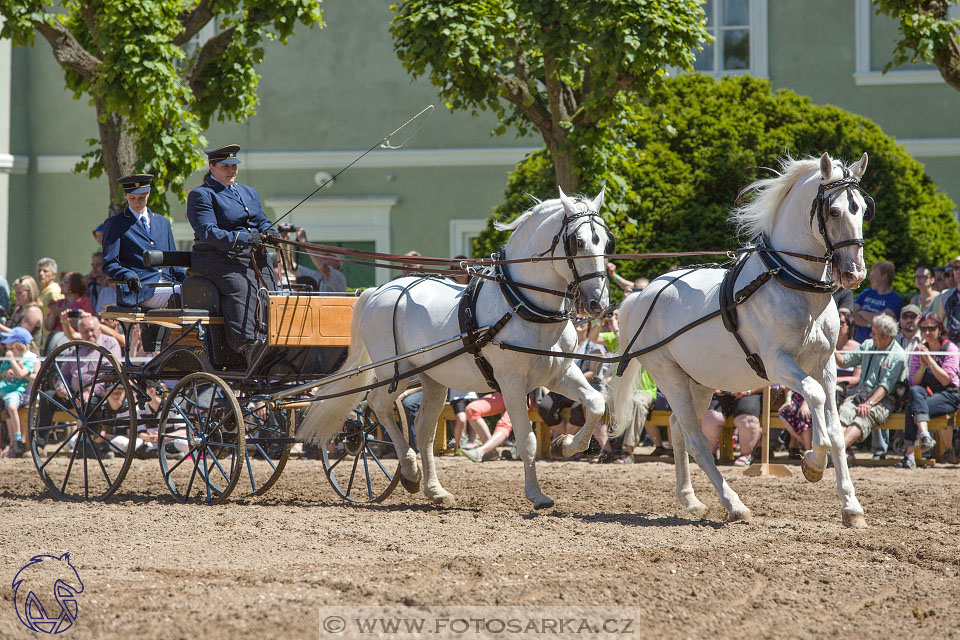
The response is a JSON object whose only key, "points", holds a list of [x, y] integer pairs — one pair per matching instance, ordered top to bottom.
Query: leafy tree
{"points": [[926, 34], [555, 66], [154, 90], [675, 177]]}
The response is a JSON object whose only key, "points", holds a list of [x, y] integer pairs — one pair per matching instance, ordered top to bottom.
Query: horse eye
{"points": [[835, 212]]}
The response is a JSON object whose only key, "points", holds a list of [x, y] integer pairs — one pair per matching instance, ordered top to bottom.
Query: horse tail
{"points": [[620, 392], [325, 417]]}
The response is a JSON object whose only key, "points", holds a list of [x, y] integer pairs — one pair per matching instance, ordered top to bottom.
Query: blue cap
{"points": [[226, 155], [136, 183], [99, 228], [17, 334]]}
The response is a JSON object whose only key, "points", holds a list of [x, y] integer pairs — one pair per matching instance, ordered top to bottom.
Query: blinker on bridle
{"points": [[827, 193]]}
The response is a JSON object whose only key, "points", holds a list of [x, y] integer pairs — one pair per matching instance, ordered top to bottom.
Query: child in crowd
{"points": [[17, 371]]}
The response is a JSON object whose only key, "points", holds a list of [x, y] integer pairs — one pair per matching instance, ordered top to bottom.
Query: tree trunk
{"points": [[119, 154], [565, 169]]}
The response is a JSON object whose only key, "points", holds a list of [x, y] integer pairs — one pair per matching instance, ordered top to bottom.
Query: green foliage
{"points": [[924, 29], [130, 58], [558, 67], [679, 161]]}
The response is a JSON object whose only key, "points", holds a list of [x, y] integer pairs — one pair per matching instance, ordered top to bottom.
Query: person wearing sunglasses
{"points": [[926, 295], [934, 388]]}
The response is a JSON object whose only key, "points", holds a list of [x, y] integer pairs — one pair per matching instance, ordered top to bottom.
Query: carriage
{"points": [[222, 424]]}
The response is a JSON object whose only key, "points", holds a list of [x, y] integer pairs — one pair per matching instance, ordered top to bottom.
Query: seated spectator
{"points": [[327, 274], [938, 275], [949, 275], [461, 278], [619, 280], [99, 287], [74, 288], [49, 290], [926, 295], [843, 298], [876, 299], [947, 307], [28, 312], [89, 329], [909, 334], [17, 372], [847, 377], [934, 389], [458, 401], [871, 402], [489, 404], [744, 406]]}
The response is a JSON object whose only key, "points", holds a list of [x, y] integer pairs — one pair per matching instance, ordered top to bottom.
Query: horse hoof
{"points": [[556, 448], [811, 474], [412, 486], [443, 500], [543, 503], [697, 510], [739, 515], [854, 520]]}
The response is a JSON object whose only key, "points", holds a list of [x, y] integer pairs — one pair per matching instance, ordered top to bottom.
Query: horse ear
{"points": [[826, 166], [858, 168], [598, 201], [567, 202]]}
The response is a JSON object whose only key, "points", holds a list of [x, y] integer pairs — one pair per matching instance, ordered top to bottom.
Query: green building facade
{"points": [[330, 94]]}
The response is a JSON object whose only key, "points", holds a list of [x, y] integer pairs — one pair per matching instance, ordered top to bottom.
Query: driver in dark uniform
{"points": [[229, 226]]}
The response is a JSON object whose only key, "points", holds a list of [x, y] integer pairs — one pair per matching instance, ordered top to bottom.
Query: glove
{"points": [[272, 233], [254, 240], [134, 284]]}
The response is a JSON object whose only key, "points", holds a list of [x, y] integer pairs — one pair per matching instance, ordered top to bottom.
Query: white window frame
{"points": [[759, 44], [865, 76], [361, 219], [462, 233]]}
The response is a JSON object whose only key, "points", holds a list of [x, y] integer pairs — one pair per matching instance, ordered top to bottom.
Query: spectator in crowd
{"points": [[98, 234], [126, 236], [411, 267], [938, 273], [327, 274], [949, 274], [461, 278], [619, 280], [640, 283], [99, 287], [74, 288], [49, 289], [926, 295], [4, 296], [843, 298], [877, 299], [947, 307], [28, 312], [89, 327], [909, 334], [17, 372], [847, 377], [934, 388], [458, 401], [872, 401], [489, 404], [744, 406]]}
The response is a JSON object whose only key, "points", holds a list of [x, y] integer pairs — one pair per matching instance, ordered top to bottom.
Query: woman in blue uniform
{"points": [[229, 227]]}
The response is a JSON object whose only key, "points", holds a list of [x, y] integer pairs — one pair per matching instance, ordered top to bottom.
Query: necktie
{"points": [[236, 193], [145, 221]]}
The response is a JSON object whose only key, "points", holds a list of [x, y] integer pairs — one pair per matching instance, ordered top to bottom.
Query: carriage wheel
{"points": [[82, 422], [267, 440], [201, 455], [361, 461]]}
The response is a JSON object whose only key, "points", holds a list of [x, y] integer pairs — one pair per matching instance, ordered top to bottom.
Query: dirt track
{"points": [[261, 568]]}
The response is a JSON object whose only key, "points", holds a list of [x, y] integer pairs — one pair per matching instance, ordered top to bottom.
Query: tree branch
{"points": [[193, 21], [212, 48], [68, 53]]}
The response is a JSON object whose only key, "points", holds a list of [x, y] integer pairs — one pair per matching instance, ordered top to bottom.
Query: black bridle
{"points": [[827, 193]]}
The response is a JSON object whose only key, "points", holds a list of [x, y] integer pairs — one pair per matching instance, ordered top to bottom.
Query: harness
{"points": [[467, 314]]}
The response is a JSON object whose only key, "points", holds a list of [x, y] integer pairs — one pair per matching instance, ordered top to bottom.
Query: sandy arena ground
{"points": [[261, 568]]}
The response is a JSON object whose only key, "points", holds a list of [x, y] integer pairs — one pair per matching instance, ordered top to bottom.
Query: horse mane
{"points": [[546, 207], [756, 217]]}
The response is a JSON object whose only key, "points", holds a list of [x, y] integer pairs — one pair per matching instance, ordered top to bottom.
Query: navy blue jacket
{"points": [[222, 221], [124, 241]]}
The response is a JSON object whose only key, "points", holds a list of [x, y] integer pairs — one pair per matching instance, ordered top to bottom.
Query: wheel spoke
{"points": [[96, 375], [53, 400], [62, 445], [187, 455], [73, 456], [366, 473], [353, 474]]}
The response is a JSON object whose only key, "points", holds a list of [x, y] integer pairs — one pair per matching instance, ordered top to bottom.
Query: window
{"points": [[739, 29], [463, 231]]}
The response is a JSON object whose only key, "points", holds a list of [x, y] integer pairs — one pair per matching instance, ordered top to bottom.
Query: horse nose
{"points": [[595, 308]]}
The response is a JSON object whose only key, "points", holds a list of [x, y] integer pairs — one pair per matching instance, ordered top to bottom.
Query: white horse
{"points": [[813, 208], [411, 312]]}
